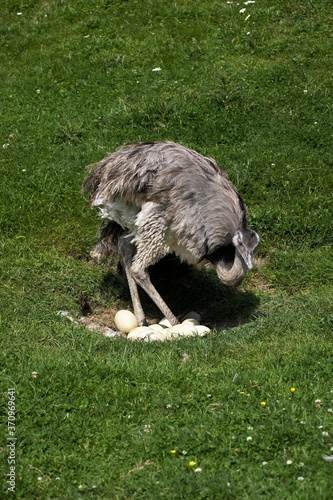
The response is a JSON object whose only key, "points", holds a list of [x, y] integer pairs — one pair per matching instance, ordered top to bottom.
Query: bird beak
{"points": [[249, 260]]}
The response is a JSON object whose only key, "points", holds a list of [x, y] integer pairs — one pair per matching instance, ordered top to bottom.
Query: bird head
{"points": [[245, 243]]}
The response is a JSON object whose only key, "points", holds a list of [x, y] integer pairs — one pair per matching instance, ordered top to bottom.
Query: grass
{"points": [[101, 416]]}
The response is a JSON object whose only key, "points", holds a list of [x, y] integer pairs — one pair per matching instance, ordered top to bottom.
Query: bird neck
{"points": [[233, 272]]}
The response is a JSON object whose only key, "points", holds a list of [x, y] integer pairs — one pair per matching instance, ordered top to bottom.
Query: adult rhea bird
{"points": [[161, 198]]}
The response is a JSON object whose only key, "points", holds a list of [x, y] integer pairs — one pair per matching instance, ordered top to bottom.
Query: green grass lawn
{"points": [[250, 84]]}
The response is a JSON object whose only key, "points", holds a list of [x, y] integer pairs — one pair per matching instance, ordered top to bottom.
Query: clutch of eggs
{"points": [[127, 323]]}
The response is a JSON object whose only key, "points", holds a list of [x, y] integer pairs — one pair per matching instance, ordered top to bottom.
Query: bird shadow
{"points": [[185, 289]]}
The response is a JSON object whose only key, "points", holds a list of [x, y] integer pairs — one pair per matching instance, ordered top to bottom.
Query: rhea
{"points": [[161, 198]]}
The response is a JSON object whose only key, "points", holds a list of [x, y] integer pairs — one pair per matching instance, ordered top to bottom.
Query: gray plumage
{"points": [[161, 198]]}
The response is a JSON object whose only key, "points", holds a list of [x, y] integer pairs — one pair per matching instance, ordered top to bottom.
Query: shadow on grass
{"points": [[185, 289]]}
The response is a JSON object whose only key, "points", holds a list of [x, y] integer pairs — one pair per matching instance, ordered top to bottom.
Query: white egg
{"points": [[125, 321], [190, 321], [165, 322], [157, 328], [183, 330], [202, 330], [140, 333], [170, 335], [155, 336]]}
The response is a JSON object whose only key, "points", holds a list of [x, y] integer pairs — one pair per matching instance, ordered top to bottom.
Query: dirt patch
{"points": [[258, 282], [101, 317]]}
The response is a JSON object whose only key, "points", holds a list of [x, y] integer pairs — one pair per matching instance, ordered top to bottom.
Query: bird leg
{"points": [[150, 248], [126, 251], [138, 276], [142, 278]]}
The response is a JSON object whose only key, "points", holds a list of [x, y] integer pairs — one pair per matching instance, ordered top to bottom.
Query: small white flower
{"points": [[242, 11], [19, 13], [157, 69], [37, 91], [305, 91], [34, 374], [168, 405], [330, 410], [302, 422], [320, 427], [250, 428], [325, 434], [249, 439], [184, 452], [328, 458], [289, 462], [264, 463], [301, 464], [198, 469], [39, 478], [300, 478]]}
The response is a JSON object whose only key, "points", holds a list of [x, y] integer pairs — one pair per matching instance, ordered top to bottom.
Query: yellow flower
{"points": [[293, 389], [241, 392], [263, 403], [173, 451], [192, 463]]}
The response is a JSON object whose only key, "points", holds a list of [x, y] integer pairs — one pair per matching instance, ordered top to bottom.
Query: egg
{"points": [[125, 321], [190, 321], [165, 322], [157, 328], [183, 330], [202, 330], [140, 333], [171, 335], [156, 336]]}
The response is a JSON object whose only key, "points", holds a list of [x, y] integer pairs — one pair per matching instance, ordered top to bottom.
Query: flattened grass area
{"points": [[249, 83]]}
